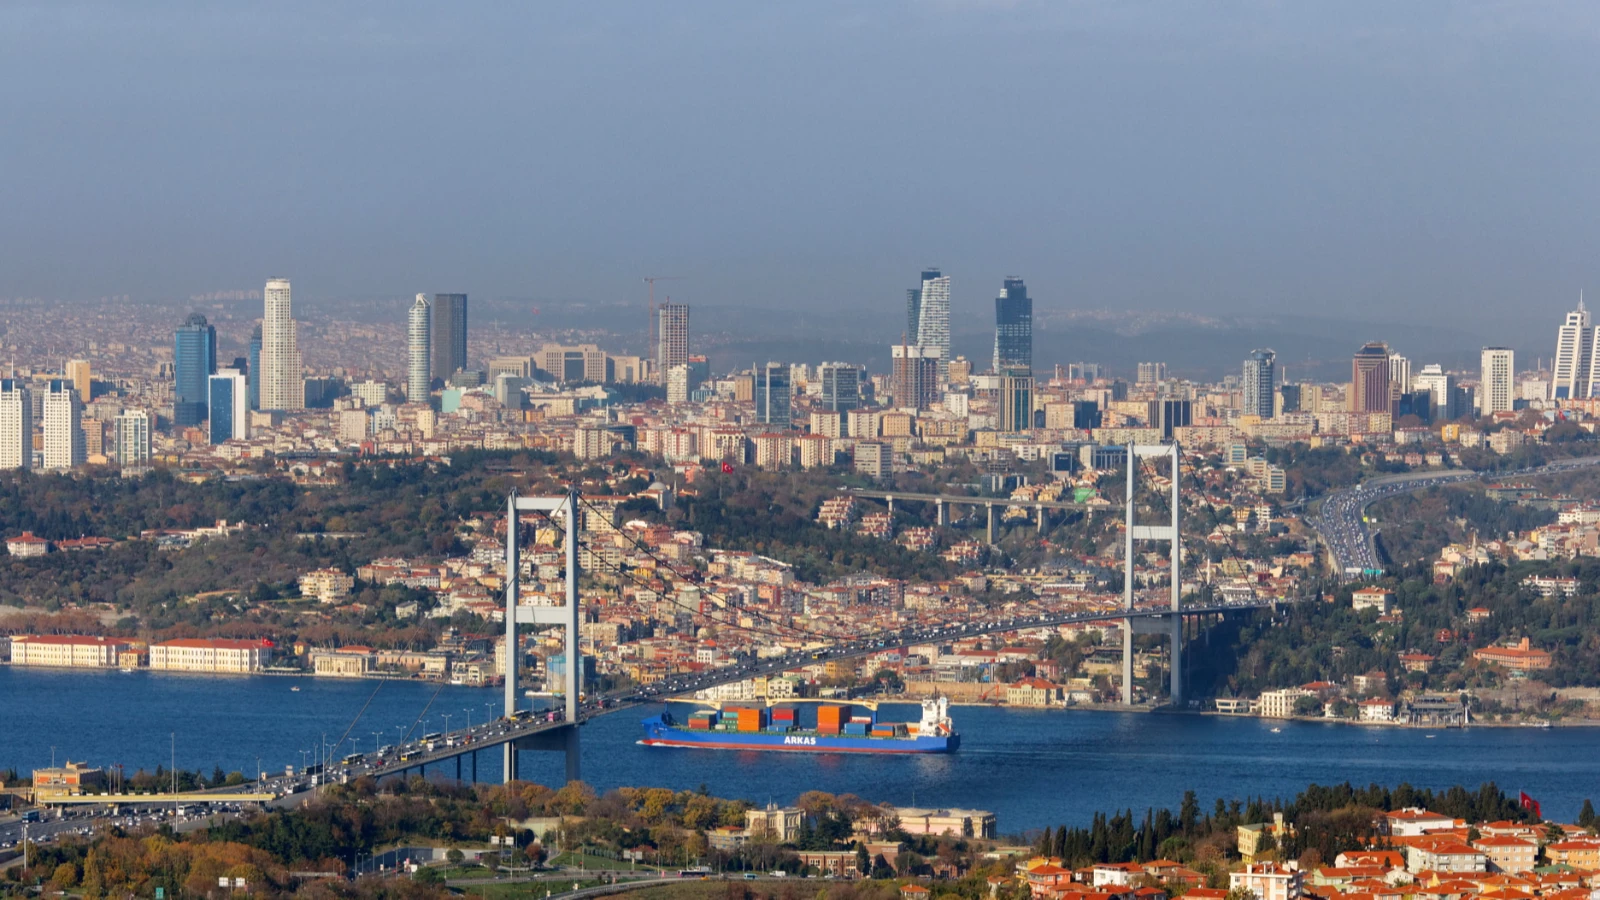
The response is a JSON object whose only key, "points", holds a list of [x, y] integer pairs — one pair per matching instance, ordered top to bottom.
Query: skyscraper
{"points": [[1013, 327], [931, 329], [672, 331], [419, 334], [448, 343], [194, 358], [253, 370], [1572, 375], [915, 377], [1369, 379], [1259, 381], [282, 384], [841, 386], [1441, 388], [1494, 388], [774, 395], [1016, 399], [230, 407], [16, 424], [63, 426], [133, 437]]}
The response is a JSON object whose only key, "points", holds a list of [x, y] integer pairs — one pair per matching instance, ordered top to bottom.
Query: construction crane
{"points": [[650, 329]]}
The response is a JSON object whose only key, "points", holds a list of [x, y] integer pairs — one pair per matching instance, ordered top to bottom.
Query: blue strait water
{"points": [[1032, 768]]}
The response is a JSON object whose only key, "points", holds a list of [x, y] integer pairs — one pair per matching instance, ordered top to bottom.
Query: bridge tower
{"points": [[1134, 533], [565, 738]]}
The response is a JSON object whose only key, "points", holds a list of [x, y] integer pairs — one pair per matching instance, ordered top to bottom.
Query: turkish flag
{"points": [[727, 468], [1529, 803]]}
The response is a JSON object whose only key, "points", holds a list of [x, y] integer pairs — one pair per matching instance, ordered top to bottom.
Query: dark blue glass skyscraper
{"points": [[1013, 327], [194, 360], [253, 371]]}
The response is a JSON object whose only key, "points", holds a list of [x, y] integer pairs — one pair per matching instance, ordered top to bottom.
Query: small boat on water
{"points": [[126, 670], [295, 688], [1277, 730]]}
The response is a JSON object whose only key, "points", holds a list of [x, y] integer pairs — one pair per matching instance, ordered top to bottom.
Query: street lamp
{"points": [[446, 723], [377, 738]]}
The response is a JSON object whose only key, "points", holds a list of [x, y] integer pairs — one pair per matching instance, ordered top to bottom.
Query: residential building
{"points": [[928, 323], [1013, 327], [419, 336], [672, 336], [447, 341], [79, 373], [1150, 373], [1369, 379], [915, 383], [1259, 383], [282, 384], [678, 384], [1441, 388], [1495, 390], [370, 393], [229, 408], [16, 424], [63, 426], [133, 437], [873, 458], [27, 544], [327, 585], [1380, 599], [216, 655], [1519, 658], [1280, 704], [1415, 822], [1444, 853], [1504, 853], [1580, 853], [1269, 881]]}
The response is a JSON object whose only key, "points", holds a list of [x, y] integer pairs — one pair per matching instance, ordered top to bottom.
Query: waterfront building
{"points": [[1013, 327], [419, 334], [447, 340], [194, 360], [282, 384], [1495, 392], [16, 424], [63, 426], [133, 437], [71, 651], [210, 655]]}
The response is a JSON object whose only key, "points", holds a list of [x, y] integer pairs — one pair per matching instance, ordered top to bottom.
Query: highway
{"points": [[1341, 519]]}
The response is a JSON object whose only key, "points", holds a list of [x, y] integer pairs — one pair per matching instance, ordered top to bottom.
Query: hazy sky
{"points": [[1403, 161]]}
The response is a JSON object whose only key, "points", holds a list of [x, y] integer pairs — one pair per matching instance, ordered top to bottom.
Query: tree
{"points": [[1586, 816], [455, 856], [863, 861], [429, 876]]}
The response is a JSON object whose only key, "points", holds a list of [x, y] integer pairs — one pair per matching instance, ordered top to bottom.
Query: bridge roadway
{"points": [[1341, 519], [539, 730]]}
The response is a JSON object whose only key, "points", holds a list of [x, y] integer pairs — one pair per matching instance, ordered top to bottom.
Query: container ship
{"points": [[838, 728]]}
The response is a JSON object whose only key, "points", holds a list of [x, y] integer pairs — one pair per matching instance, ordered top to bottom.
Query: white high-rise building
{"points": [[933, 320], [419, 334], [1572, 375], [282, 377], [1399, 377], [678, 384], [1260, 384], [1440, 387], [1494, 388], [229, 406], [16, 424], [63, 427], [133, 437]]}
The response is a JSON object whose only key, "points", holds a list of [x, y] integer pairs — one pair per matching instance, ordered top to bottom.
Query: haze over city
{"points": [[1369, 162]]}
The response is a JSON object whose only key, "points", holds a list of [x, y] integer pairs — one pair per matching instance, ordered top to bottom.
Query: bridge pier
{"points": [[890, 498], [1040, 510], [941, 511], [991, 523], [458, 767], [474, 767]]}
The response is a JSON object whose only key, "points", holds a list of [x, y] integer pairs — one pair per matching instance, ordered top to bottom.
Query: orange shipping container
{"points": [[749, 720]]}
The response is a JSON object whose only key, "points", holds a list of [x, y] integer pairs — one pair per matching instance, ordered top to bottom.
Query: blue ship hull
{"points": [[658, 732]]}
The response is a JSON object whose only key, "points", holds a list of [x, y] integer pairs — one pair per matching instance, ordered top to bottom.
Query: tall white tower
{"points": [[933, 320], [419, 335], [1575, 341], [282, 383], [1494, 388], [16, 424], [63, 427], [133, 437]]}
